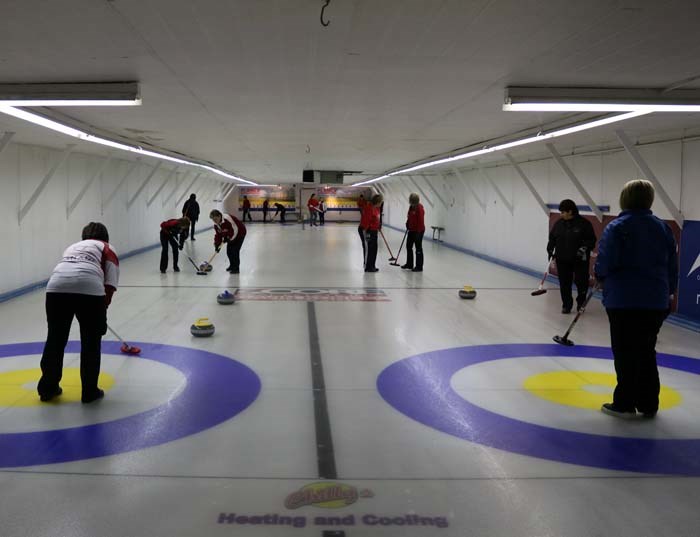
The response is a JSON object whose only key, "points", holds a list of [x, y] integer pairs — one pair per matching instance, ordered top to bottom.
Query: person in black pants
{"points": [[265, 208], [246, 209], [281, 209], [190, 210], [415, 226], [229, 229], [170, 230], [371, 233], [571, 242], [637, 267], [81, 286]]}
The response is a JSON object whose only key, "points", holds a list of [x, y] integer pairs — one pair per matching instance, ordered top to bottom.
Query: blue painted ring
{"points": [[419, 387], [217, 389]]}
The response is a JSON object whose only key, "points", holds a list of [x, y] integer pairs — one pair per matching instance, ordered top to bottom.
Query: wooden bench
{"points": [[439, 230]]}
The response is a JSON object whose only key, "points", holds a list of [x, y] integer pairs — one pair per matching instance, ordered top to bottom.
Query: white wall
{"points": [[521, 237], [31, 248]]}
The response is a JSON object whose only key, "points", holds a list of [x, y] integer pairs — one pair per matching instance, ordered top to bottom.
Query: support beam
{"points": [[5, 140], [132, 167], [649, 176], [572, 177], [45, 181], [178, 182], [144, 184], [529, 184], [87, 185], [162, 185], [469, 186], [431, 187], [381, 189], [227, 190], [184, 192], [422, 192], [505, 201]]}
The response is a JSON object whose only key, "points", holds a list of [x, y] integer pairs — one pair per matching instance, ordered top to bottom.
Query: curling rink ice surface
{"points": [[331, 402]]}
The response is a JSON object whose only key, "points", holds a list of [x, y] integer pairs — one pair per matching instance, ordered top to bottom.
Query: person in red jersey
{"points": [[312, 204], [363, 204], [373, 224], [415, 224], [230, 230], [170, 232], [81, 286]]}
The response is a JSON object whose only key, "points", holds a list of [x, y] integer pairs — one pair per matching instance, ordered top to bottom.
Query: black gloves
{"points": [[217, 249]]}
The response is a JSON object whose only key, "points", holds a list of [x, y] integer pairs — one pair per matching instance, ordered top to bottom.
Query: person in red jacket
{"points": [[312, 204], [363, 204], [246, 209], [415, 224], [373, 225], [232, 231], [170, 232], [80, 286]]}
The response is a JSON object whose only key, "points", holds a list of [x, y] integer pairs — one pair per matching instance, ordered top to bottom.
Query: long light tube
{"points": [[70, 102], [599, 107], [81, 135], [500, 147]]}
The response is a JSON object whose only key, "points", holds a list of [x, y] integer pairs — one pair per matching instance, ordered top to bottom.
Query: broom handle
{"points": [[117, 335]]}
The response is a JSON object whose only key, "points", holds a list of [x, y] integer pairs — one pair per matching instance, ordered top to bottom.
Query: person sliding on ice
{"points": [[312, 204], [265, 208], [246, 209], [281, 209], [190, 210], [321, 212], [415, 225], [373, 228], [170, 230], [231, 230], [571, 242], [637, 268], [81, 286]]}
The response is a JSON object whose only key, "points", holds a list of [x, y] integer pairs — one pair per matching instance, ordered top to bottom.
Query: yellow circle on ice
{"points": [[18, 388], [585, 389]]}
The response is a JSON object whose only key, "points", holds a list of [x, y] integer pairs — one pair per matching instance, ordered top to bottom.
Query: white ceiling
{"points": [[260, 88]]}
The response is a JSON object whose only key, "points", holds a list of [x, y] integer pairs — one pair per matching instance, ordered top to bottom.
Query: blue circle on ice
{"points": [[419, 387], [218, 388]]}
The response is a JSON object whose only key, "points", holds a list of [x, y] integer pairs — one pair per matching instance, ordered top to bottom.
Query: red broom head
{"points": [[130, 349]]}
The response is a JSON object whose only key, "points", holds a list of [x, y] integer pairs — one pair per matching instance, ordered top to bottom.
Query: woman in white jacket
{"points": [[81, 286]]}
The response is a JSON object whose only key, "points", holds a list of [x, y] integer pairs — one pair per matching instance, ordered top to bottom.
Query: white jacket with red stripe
{"points": [[88, 267]]}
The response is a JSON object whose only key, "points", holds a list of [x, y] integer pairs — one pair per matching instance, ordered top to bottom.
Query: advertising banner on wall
{"points": [[689, 276]]}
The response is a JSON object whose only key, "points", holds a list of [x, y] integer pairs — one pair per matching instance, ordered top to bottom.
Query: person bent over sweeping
{"points": [[231, 230], [170, 232], [80, 286]]}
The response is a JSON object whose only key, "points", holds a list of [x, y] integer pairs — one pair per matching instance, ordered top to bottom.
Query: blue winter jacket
{"points": [[637, 262]]}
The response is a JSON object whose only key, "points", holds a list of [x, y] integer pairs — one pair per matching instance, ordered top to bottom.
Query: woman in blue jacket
{"points": [[638, 270]]}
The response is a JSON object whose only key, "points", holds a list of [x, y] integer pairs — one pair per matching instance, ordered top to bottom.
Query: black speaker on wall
{"points": [[308, 176]]}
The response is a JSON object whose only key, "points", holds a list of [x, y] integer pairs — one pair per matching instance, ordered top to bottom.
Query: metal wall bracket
{"points": [[132, 167], [649, 175], [572, 177], [45, 181], [529, 184], [143, 185], [469, 186], [161, 187], [435, 192], [74, 204]]}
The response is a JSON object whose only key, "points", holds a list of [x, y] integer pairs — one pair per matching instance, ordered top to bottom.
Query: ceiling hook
{"points": [[324, 23]]}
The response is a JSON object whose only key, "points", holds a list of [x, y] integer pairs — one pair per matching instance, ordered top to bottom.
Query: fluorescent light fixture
{"points": [[71, 94], [543, 99], [81, 135], [508, 145]]}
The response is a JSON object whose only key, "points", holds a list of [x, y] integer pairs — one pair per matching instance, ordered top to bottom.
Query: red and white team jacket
{"points": [[229, 228], [89, 267]]}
